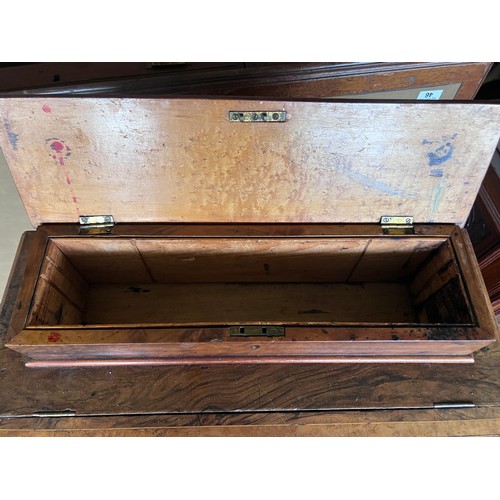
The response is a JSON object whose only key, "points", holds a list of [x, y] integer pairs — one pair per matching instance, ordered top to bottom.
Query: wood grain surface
{"points": [[182, 160], [381, 399]]}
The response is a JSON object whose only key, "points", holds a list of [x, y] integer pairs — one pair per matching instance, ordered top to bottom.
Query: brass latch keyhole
{"points": [[256, 331]]}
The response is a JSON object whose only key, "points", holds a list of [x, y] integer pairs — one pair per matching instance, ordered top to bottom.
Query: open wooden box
{"points": [[246, 231]]}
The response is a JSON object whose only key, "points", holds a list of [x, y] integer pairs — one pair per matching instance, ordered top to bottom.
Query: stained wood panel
{"points": [[178, 160], [213, 259], [389, 259], [162, 260], [247, 260], [109, 261], [436, 273], [439, 292], [60, 293], [249, 303], [51, 307], [212, 346]]}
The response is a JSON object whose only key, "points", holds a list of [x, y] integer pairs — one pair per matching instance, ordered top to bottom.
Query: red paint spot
{"points": [[46, 108], [57, 146], [54, 157], [61, 161], [68, 180], [75, 199], [54, 337]]}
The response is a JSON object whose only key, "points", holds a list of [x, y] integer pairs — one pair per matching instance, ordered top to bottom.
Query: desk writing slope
{"points": [[184, 160]]}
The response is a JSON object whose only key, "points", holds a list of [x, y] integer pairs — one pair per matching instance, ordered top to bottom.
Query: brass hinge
{"points": [[257, 116], [96, 224], [395, 225], [256, 331], [451, 405], [54, 414]]}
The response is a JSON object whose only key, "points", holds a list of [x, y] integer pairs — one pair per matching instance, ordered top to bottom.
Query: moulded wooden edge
{"points": [[129, 345]]}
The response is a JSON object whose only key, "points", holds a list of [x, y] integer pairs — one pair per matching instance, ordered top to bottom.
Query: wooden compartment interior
{"points": [[113, 281]]}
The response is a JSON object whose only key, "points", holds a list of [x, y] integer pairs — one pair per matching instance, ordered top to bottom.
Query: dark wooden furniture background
{"points": [[280, 80], [484, 221], [484, 228], [331, 399]]}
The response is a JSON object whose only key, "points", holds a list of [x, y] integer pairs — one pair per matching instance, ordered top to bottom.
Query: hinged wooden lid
{"points": [[191, 160]]}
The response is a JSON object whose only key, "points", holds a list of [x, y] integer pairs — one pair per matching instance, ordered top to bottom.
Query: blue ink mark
{"points": [[11, 135], [442, 149], [441, 154], [436, 172], [372, 183], [438, 192]]}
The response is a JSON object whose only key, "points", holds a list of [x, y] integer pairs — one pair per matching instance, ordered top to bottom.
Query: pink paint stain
{"points": [[46, 109], [57, 146], [59, 151], [68, 180], [75, 199], [54, 337]]}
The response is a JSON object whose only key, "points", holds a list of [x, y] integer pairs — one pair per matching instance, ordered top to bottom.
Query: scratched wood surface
{"points": [[181, 160], [298, 399]]}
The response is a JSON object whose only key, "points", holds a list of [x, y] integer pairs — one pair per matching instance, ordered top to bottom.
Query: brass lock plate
{"points": [[257, 116], [256, 331]]}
